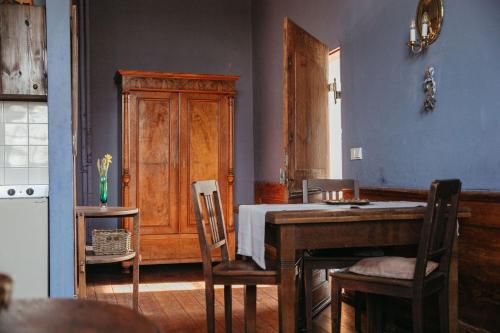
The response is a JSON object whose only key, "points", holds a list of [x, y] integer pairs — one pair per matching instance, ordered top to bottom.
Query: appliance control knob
{"points": [[11, 191], [30, 191]]}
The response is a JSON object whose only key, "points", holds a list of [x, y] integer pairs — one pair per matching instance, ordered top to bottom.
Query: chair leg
{"points": [[308, 295], [210, 306], [336, 306], [228, 308], [250, 308], [358, 308], [444, 311], [374, 314], [418, 315]]}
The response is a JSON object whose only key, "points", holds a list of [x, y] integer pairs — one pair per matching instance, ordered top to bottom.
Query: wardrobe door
{"points": [[205, 145], [154, 169]]}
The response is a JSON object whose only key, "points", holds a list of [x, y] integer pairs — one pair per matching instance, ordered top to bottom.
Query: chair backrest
{"points": [[329, 188], [208, 212], [438, 229], [5, 291]]}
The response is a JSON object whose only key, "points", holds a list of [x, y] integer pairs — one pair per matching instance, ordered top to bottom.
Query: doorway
{"points": [[334, 115]]}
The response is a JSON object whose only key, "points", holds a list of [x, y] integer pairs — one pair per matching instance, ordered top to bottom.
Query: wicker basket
{"points": [[110, 242]]}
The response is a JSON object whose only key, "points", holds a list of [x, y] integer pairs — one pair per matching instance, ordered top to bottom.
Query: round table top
{"points": [[97, 211], [72, 316]]}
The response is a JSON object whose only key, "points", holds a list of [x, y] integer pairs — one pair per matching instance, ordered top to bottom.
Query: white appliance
{"points": [[24, 238]]}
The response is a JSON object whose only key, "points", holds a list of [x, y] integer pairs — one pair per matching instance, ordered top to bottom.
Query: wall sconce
{"points": [[428, 24], [430, 90]]}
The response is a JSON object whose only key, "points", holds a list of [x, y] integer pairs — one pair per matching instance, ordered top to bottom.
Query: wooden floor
{"points": [[173, 297]]}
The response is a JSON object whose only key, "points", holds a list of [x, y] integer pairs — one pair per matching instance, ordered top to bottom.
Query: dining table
{"points": [[292, 228], [71, 315]]}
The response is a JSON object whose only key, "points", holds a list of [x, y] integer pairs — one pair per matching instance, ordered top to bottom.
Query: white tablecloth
{"points": [[251, 222]]}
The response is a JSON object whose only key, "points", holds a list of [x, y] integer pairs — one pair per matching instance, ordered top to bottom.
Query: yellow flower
{"points": [[103, 164]]}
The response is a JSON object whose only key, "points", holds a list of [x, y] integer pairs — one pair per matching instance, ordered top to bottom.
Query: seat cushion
{"points": [[390, 267], [243, 268]]}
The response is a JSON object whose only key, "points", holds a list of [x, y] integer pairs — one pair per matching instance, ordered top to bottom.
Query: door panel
{"points": [[306, 107], [204, 120], [204, 139], [157, 172]]}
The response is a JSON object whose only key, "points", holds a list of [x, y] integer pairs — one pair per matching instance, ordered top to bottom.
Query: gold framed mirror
{"points": [[435, 13]]}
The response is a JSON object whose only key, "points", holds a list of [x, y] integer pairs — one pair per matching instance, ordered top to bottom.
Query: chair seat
{"points": [[243, 267], [390, 267], [244, 272], [434, 279]]}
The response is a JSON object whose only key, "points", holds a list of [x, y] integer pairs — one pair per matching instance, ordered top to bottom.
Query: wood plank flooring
{"points": [[173, 296]]}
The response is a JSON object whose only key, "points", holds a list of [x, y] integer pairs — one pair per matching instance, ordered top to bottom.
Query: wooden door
{"points": [[23, 50], [305, 107], [205, 149], [154, 163]]}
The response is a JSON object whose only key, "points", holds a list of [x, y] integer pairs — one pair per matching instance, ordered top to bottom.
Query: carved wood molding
{"points": [[154, 81]]}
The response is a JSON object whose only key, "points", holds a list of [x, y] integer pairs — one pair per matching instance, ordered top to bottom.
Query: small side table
{"points": [[84, 258]]}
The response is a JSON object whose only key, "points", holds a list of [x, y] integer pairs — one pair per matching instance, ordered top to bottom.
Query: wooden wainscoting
{"points": [[270, 193], [479, 249]]}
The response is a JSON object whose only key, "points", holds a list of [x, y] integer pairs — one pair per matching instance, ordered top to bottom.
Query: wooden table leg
{"points": [[81, 235], [453, 289], [287, 293], [135, 296]]}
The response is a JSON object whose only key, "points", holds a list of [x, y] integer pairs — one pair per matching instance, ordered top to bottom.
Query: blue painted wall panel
{"points": [[383, 95], [60, 151]]}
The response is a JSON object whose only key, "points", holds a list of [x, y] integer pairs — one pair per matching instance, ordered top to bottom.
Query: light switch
{"points": [[356, 154]]}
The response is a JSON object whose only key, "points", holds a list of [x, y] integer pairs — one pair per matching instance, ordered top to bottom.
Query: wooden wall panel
{"points": [[37, 51], [14, 67], [271, 193]]}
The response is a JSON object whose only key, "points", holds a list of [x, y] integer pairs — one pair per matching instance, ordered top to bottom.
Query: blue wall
{"points": [[189, 36], [382, 90], [383, 96], [60, 151]]}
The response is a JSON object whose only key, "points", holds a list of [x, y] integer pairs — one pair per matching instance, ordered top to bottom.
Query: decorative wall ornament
{"points": [[428, 22], [430, 90]]}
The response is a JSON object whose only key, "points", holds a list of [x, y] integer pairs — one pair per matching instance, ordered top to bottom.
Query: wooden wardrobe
{"points": [[176, 129]]}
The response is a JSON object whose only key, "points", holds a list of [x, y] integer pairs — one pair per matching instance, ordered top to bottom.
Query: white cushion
{"points": [[390, 267]]}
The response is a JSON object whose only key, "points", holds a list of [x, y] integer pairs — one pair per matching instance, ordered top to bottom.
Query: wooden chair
{"points": [[208, 212], [436, 242], [334, 259], [5, 291]]}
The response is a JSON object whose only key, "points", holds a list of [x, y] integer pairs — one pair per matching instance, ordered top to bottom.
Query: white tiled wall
{"points": [[23, 143]]}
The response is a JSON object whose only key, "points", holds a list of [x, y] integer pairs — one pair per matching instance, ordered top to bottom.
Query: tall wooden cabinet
{"points": [[176, 129]]}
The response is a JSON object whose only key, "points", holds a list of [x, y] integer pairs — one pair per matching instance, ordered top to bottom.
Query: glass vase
{"points": [[103, 191]]}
